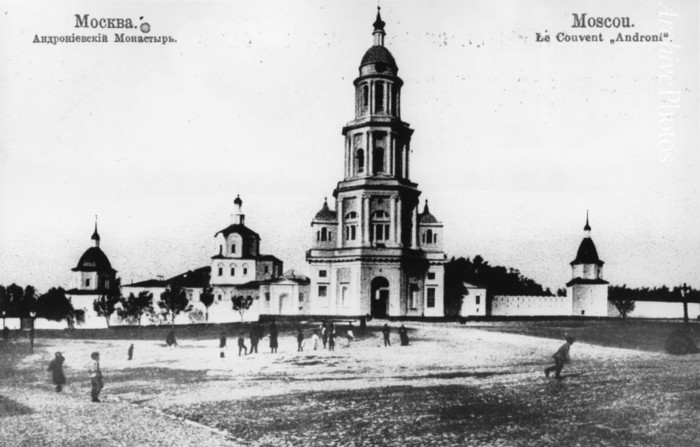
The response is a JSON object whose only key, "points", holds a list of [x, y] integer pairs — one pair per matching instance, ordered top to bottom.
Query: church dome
{"points": [[378, 54], [326, 213], [426, 217], [94, 260]]}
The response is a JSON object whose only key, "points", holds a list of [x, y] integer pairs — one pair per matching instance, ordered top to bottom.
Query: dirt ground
{"points": [[453, 385]]}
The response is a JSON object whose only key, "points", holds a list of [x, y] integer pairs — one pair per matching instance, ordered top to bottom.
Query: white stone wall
{"points": [[439, 285], [474, 303], [524, 305], [658, 309]]}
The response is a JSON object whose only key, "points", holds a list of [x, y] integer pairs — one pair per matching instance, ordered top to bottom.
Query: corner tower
{"points": [[369, 255], [587, 289]]}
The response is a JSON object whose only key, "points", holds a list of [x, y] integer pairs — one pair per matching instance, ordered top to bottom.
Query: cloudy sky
{"points": [[514, 139]]}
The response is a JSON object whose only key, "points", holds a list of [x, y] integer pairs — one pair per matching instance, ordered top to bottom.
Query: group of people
{"points": [[96, 384]]}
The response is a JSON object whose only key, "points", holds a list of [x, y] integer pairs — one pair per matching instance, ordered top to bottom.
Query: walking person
{"points": [[386, 331], [351, 333], [254, 337], [273, 337], [300, 339], [241, 344], [222, 345], [130, 351], [560, 358], [56, 369], [95, 377]]}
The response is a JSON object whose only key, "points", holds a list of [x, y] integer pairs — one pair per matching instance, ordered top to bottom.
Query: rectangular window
{"points": [[233, 248], [267, 269], [221, 271], [233, 271], [245, 271], [322, 273], [431, 275], [87, 283], [322, 291], [343, 295], [267, 296], [301, 296], [219, 297], [431, 297], [478, 299]]}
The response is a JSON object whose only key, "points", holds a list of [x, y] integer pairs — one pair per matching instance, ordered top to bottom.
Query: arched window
{"points": [[379, 97], [365, 98], [378, 160], [360, 161], [351, 215], [350, 226], [380, 226], [324, 234], [318, 235], [430, 236], [423, 238], [435, 238], [221, 269], [233, 269], [245, 269]]}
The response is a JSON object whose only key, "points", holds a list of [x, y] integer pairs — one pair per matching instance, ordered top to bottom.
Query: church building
{"points": [[375, 252], [92, 279]]}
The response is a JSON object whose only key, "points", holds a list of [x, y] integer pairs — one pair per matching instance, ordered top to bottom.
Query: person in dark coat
{"points": [[363, 326], [386, 331], [6, 333], [324, 334], [403, 335], [254, 337], [273, 337], [170, 339], [300, 339], [331, 340], [241, 344], [222, 345], [130, 352], [560, 358], [56, 369], [95, 377]]}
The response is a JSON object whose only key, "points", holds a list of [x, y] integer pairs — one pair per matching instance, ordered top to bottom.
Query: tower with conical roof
{"points": [[375, 253], [93, 278], [587, 289]]}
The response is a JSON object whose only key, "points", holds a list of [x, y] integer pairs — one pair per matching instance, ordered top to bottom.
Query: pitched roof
{"points": [[239, 229], [587, 253], [94, 260], [192, 278], [585, 281], [148, 283]]}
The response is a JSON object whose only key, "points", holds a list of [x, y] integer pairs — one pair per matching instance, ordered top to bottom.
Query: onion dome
{"points": [[237, 201], [326, 213], [426, 217], [587, 227], [96, 236]]}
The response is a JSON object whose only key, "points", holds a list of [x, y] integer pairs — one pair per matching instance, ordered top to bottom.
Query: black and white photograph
{"points": [[359, 223]]}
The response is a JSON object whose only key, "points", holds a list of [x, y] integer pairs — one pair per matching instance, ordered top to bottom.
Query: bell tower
{"points": [[367, 253]]}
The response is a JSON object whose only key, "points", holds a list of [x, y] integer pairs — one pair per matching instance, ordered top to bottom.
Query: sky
{"points": [[514, 139]]}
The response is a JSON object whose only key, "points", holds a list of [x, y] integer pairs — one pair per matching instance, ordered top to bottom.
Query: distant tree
{"points": [[454, 286], [561, 292], [207, 298], [172, 302], [106, 304], [241, 304], [55, 305], [134, 307], [76, 317]]}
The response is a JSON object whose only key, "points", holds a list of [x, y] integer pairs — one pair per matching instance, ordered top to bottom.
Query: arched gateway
{"points": [[380, 297]]}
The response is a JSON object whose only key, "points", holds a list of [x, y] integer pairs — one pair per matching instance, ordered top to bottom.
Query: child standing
{"points": [[314, 338], [300, 340], [560, 358], [56, 368], [95, 377]]}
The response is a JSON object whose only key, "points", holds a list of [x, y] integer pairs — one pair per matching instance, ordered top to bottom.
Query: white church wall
{"points": [[438, 285], [589, 300], [526, 305], [13, 323]]}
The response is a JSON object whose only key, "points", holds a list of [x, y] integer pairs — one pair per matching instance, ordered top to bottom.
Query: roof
{"points": [[378, 53], [326, 213], [425, 216], [239, 229], [587, 253], [269, 258], [94, 260], [191, 278], [585, 281], [148, 283], [469, 285], [87, 292]]}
